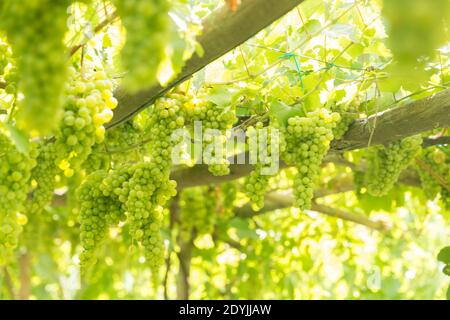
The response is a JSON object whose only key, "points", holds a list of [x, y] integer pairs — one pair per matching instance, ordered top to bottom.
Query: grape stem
{"points": [[108, 20]]}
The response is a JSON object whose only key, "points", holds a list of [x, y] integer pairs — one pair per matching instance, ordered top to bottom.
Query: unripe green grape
{"points": [[147, 25], [35, 31], [85, 113], [216, 117], [123, 142], [306, 142], [385, 163], [436, 163], [15, 170], [43, 179], [256, 183], [430, 186], [149, 188], [97, 213]]}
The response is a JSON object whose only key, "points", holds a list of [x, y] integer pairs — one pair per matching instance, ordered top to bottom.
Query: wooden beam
{"points": [[223, 30], [429, 113]]}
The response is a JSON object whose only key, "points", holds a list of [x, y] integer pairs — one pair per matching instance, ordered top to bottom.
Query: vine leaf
{"points": [[282, 112], [19, 138], [444, 255]]}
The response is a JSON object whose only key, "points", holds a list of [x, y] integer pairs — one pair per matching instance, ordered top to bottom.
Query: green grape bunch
{"points": [[147, 25], [35, 30], [8, 71], [89, 106], [348, 114], [213, 116], [307, 141], [123, 142], [385, 163], [437, 164], [15, 170], [42, 179], [257, 182], [150, 187], [97, 213]]}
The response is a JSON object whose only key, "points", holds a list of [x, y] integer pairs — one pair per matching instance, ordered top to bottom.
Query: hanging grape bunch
{"points": [[147, 29], [35, 30], [89, 106], [215, 117], [307, 141], [385, 163], [435, 164], [15, 168], [257, 182], [97, 213]]}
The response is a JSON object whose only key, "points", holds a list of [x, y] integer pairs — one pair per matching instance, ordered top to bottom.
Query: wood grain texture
{"points": [[432, 112]]}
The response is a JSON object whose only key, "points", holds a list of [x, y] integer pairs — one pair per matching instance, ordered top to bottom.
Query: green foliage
{"points": [[414, 34], [91, 212]]}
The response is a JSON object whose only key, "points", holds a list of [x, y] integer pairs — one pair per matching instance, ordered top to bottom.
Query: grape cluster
{"points": [[147, 27], [35, 30], [8, 73], [89, 105], [348, 114], [219, 118], [307, 140], [122, 142], [98, 159], [437, 162], [385, 163], [15, 168], [43, 179], [257, 181], [150, 185], [430, 186], [102, 190], [138, 190], [198, 211], [97, 213]]}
